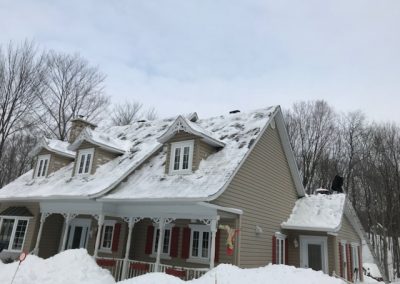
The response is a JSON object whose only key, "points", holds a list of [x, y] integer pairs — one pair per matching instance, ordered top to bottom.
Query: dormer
{"points": [[78, 124], [187, 144], [94, 149], [51, 155]]}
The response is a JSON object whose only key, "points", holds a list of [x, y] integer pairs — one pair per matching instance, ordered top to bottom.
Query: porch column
{"points": [[67, 217], [100, 223], [131, 224], [161, 225], [213, 228], [39, 236]]}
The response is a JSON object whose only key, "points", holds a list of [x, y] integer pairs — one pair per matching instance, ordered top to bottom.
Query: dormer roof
{"points": [[185, 125], [101, 140], [53, 145]]}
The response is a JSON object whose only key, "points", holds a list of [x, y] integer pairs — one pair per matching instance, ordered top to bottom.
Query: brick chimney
{"points": [[77, 125]]}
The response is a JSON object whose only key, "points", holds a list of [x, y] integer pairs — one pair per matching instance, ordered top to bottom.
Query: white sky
{"points": [[212, 56]]}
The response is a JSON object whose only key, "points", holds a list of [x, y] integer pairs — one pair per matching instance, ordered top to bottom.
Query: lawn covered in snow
{"points": [[76, 266]]}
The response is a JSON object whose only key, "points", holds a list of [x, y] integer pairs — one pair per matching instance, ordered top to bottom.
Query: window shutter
{"points": [[117, 231], [149, 240], [174, 242], [186, 242], [217, 245], [273, 249], [286, 251], [348, 259], [340, 260], [351, 262], [360, 267]]}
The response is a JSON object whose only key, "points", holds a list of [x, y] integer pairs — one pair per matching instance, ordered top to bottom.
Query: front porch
{"points": [[130, 240]]}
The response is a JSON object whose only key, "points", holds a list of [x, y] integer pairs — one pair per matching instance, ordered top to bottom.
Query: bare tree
{"points": [[72, 88], [125, 113], [151, 114]]}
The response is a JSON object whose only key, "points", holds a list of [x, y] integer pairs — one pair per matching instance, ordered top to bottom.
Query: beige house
{"points": [[169, 195]]}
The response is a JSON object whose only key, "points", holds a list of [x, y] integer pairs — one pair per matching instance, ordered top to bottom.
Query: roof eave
{"points": [[309, 228]]}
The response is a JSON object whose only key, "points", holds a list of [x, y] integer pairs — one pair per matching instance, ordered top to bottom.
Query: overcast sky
{"points": [[212, 56]]}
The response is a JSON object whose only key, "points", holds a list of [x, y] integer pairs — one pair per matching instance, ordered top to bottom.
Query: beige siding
{"points": [[201, 150], [56, 161], [263, 188], [33, 226]]}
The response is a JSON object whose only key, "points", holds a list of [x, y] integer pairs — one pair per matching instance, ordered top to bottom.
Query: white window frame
{"points": [[181, 145], [39, 159], [78, 163], [107, 223], [201, 229], [12, 237], [305, 240], [280, 248], [162, 254], [355, 259]]}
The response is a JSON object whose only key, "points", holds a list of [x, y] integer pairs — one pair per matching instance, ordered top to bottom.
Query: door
{"points": [[78, 233], [314, 253]]}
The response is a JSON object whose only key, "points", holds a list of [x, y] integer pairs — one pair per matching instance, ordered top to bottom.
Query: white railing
{"points": [[137, 268]]}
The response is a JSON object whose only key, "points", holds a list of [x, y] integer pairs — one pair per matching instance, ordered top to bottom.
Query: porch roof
{"points": [[19, 211], [317, 213]]}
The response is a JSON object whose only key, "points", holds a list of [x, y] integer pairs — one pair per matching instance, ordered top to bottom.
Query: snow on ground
{"points": [[318, 212], [77, 266], [372, 269]]}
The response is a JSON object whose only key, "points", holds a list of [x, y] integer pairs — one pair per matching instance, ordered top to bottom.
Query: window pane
{"points": [[88, 158], [177, 158], [81, 163], [185, 164], [44, 167], [40, 168], [5, 232], [19, 234], [167, 234], [107, 237], [205, 244], [195, 246]]}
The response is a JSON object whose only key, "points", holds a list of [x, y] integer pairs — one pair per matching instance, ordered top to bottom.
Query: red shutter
{"points": [[117, 231], [149, 240], [174, 242], [185, 243], [217, 245], [273, 249], [286, 251], [348, 259], [340, 260], [351, 263], [360, 267]]}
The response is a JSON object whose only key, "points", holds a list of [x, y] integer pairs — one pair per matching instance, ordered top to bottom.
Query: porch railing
{"points": [[137, 268]]}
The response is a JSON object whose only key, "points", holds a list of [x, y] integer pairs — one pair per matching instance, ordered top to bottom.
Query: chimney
{"points": [[77, 125]]}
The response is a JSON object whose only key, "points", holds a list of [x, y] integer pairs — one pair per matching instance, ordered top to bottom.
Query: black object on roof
{"points": [[17, 211]]}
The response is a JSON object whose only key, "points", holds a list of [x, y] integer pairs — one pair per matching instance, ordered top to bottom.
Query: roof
{"points": [[84, 121], [56, 146], [130, 179], [17, 211], [318, 212]]}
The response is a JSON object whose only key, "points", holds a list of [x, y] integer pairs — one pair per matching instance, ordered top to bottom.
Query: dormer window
{"points": [[181, 157], [85, 160], [42, 166]]}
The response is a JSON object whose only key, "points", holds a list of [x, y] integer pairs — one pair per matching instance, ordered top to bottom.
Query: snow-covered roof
{"points": [[102, 140], [56, 146], [149, 181], [318, 212]]}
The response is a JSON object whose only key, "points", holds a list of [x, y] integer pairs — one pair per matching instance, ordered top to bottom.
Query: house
{"points": [[168, 195]]}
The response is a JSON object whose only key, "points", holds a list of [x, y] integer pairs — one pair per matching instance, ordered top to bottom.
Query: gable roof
{"points": [[52, 145], [137, 181], [318, 212]]}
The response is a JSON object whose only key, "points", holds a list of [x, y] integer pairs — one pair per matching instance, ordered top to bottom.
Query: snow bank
{"points": [[317, 212], [69, 267], [372, 269], [225, 273]]}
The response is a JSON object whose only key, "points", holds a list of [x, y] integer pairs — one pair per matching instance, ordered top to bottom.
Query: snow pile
{"points": [[60, 147], [317, 212], [69, 267], [372, 270], [225, 273]]}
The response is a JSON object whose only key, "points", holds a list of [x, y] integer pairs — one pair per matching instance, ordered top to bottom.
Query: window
{"points": [[181, 157], [85, 160], [42, 165], [12, 233], [107, 235], [200, 243], [165, 244], [280, 248], [354, 253]]}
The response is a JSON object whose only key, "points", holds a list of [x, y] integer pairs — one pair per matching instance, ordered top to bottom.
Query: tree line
{"points": [[41, 91], [366, 154]]}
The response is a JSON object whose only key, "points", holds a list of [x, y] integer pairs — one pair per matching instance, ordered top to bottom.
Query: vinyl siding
{"points": [[264, 189]]}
